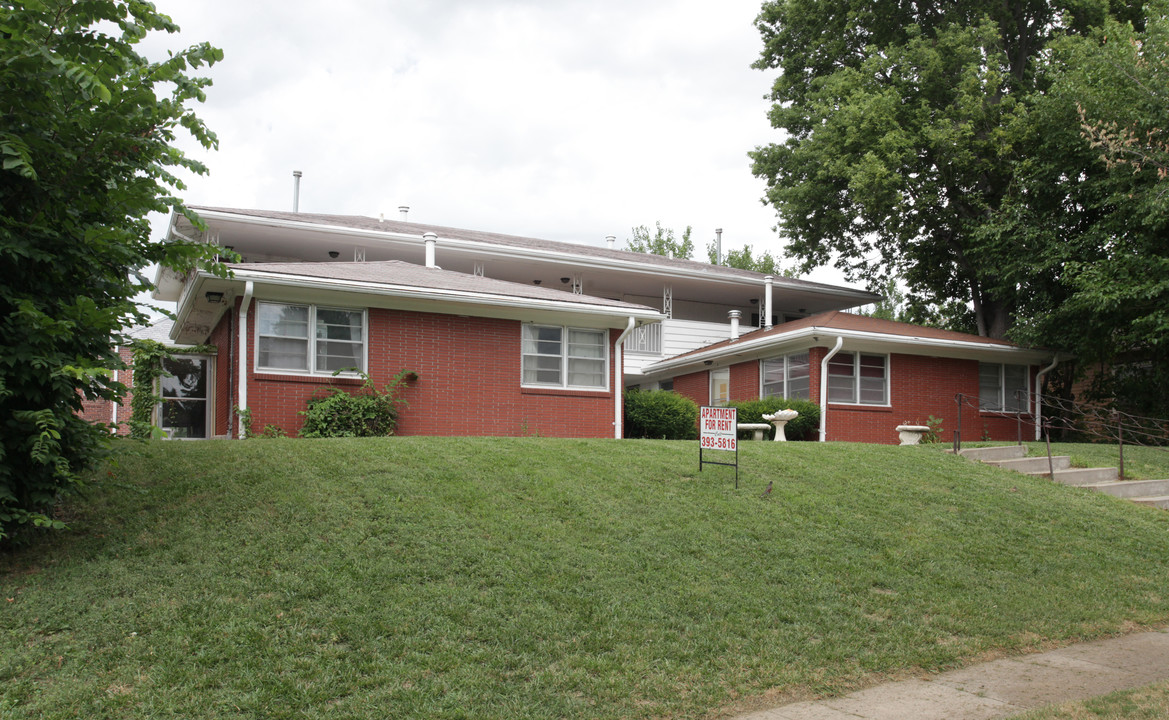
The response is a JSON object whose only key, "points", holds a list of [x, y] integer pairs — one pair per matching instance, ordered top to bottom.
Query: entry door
{"points": [[185, 410]]}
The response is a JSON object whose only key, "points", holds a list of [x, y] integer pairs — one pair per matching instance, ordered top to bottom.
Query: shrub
{"points": [[369, 412], [660, 414], [804, 427]]}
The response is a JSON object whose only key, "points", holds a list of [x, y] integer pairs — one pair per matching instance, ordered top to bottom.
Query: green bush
{"points": [[369, 412], [660, 414], [804, 427]]}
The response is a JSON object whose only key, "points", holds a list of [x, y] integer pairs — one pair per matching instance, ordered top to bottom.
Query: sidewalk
{"points": [[1001, 688]]}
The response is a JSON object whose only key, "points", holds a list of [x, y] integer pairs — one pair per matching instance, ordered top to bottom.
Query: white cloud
{"points": [[567, 120]]}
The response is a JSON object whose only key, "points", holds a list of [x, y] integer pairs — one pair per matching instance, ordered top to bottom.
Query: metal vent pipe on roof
{"points": [[296, 190], [403, 210], [431, 240], [611, 241], [718, 246], [734, 315]]}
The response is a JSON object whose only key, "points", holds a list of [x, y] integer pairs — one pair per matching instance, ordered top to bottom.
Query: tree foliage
{"points": [[1112, 88], [86, 132], [910, 142], [661, 242], [744, 259]]}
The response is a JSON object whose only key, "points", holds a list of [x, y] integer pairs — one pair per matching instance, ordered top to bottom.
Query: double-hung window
{"points": [[309, 339], [556, 356], [786, 377], [858, 379], [1002, 388]]}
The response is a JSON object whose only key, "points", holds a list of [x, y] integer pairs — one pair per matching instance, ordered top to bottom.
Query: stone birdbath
{"points": [[780, 418], [911, 434]]}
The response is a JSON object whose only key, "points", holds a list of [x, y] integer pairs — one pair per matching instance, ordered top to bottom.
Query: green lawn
{"points": [[540, 578]]}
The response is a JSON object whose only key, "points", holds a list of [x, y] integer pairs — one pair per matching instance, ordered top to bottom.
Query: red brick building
{"points": [[521, 336], [869, 375]]}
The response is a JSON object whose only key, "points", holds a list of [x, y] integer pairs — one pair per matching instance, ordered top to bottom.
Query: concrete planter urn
{"points": [[780, 418], [911, 434]]}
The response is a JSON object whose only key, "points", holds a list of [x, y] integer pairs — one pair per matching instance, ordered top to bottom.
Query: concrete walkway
{"points": [[1001, 688]]}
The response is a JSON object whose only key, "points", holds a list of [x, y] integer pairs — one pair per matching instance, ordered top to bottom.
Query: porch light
{"points": [[333, 254], [214, 297]]}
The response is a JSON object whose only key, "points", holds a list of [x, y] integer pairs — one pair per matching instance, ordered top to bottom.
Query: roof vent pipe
{"points": [[296, 190], [403, 209], [430, 239], [611, 241], [718, 246], [767, 280], [734, 315]]}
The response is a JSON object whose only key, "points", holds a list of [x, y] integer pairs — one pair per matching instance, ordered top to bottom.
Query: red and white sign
{"points": [[717, 428]]}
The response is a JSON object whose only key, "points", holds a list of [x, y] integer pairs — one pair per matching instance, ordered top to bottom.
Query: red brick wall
{"points": [[468, 381], [919, 387], [102, 411]]}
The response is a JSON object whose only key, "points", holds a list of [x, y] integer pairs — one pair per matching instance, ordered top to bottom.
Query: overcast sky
{"points": [[564, 119]]}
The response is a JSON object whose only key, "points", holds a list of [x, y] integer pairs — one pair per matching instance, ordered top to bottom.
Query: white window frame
{"points": [[565, 358], [786, 360], [312, 370], [714, 378], [856, 379], [1001, 405]]}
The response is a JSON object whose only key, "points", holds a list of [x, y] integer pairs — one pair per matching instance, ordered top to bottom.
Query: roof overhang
{"points": [[197, 316], [815, 336]]}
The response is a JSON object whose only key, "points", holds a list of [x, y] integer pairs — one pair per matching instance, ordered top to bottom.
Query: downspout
{"points": [[766, 324], [243, 354], [619, 379], [824, 388], [1039, 396], [114, 402]]}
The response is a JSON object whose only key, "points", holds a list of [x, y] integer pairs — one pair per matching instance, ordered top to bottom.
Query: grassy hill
{"points": [[540, 578]]}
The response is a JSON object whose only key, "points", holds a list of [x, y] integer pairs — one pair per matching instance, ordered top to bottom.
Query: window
{"points": [[284, 341], [556, 356], [786, 377], [856, 378], [720, 386], [1002, 388], [182, 413]]}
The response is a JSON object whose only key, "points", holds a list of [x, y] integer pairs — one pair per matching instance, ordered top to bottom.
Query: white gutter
{"points": [[703, 271], [422, 293], [743, 347], [244, 355], [619, 378], [824, 388], [1039, 396]]}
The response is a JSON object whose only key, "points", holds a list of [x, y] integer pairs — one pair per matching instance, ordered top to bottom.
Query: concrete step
{"points": [[1000, 452], [1033, 464], [1081, 476], [1132, 488], [1161, 501]]}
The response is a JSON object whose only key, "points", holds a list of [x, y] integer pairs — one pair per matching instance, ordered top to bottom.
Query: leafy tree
{"points": [[1112, 88], [86, 126], [909, 143], [661, 242], [744, 259]]}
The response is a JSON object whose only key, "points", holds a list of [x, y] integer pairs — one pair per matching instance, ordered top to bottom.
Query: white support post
{"points": [[668, 300]]}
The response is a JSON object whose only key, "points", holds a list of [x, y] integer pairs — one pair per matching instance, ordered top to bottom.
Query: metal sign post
{"points": [[718, 429]]}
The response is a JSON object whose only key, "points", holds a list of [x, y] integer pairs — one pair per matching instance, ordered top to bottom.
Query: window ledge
{"points": [[344, 380], [565, 392], [865, 408]]}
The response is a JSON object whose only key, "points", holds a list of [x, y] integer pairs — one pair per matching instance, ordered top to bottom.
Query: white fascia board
{"points": [[508, 252], [413, 292], [760, 347]]}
